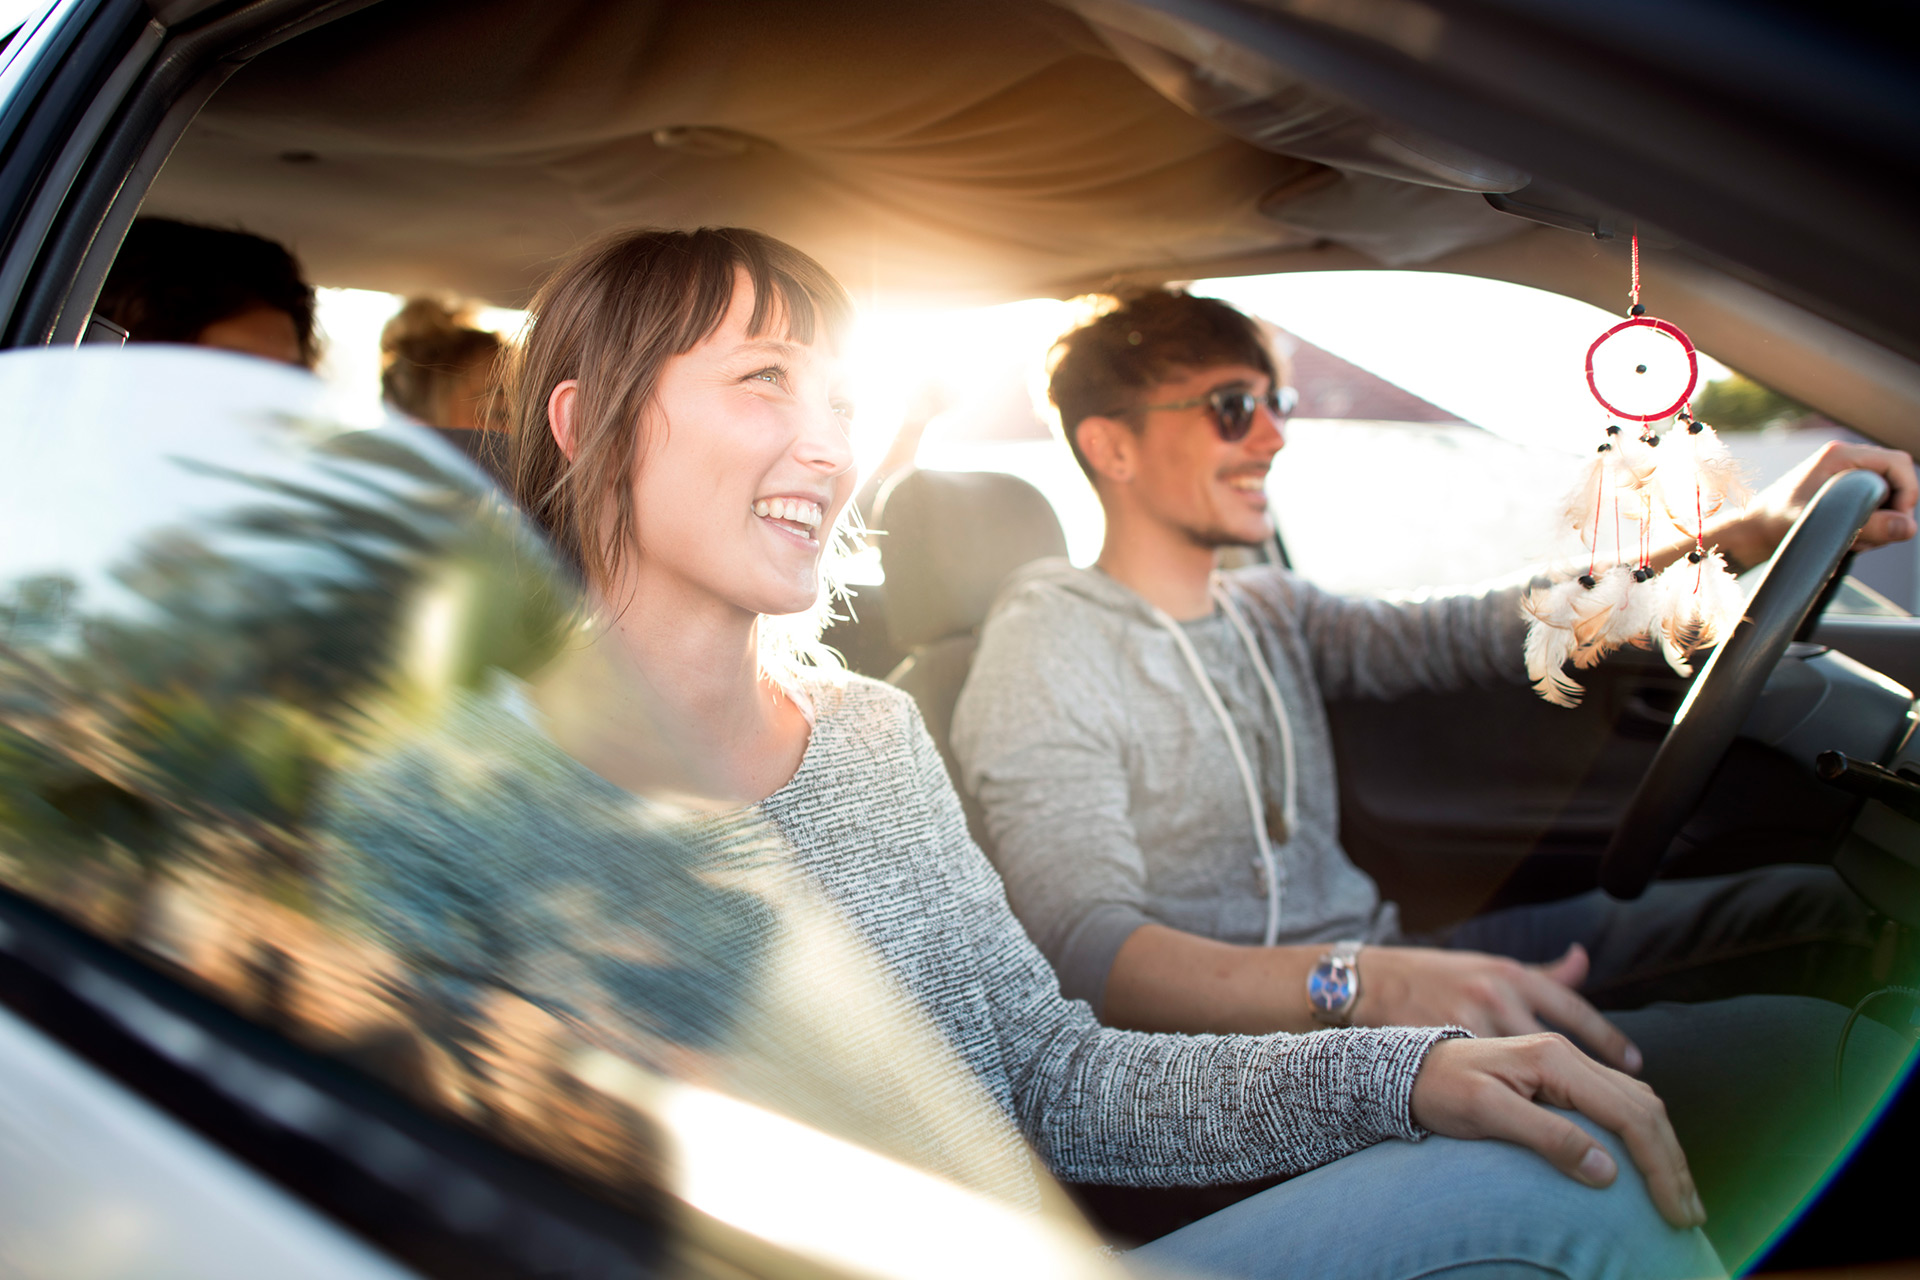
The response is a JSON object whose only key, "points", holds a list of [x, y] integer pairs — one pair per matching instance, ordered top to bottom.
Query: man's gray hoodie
{"points": [[1111, 793]]}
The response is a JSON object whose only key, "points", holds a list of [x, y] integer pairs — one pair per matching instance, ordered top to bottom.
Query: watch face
{"points": [[1329, 987]]}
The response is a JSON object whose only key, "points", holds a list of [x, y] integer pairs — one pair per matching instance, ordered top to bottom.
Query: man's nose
{"points": [[1269, 433]]}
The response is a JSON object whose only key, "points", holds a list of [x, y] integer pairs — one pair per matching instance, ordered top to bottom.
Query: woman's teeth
{"points": [[1248, 484], [792, 510]]}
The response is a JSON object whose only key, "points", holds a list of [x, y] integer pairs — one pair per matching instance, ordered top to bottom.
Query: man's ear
{"points": [[561, 403], [1110, 447]]}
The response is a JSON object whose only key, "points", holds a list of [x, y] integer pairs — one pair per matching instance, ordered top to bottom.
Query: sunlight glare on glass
{"points": [[957, 355], [1503, 356], [829, 1200]]}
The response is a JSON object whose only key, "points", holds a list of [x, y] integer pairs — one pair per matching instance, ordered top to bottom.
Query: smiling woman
{"points": [[585, 392]]}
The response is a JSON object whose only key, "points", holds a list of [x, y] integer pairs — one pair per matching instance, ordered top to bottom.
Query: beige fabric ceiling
{"points": [[935, 150]]}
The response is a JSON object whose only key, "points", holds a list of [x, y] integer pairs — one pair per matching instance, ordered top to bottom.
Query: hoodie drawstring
{"points": [[1269, 862]]}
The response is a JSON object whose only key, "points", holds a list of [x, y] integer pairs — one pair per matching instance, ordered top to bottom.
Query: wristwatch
{"points": [[1333, 985]]}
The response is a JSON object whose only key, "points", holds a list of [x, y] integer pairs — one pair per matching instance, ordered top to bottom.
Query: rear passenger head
{"points": [[178, 282], [611, 318], [438, 367], [1105, 367]]}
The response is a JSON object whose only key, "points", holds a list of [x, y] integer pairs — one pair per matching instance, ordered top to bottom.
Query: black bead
{"points": [[1636, 310], [1639, 368], [1693, 428], [1613, 430], [1650, 439], [1603, 448], [1695, 556], [1641, 573], [1587, 580]]}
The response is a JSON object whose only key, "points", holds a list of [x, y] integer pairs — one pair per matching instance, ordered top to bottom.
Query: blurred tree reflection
{"points": [[219, 701], [273, 751]]}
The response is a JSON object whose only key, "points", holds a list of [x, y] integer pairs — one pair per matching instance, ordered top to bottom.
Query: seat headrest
{"points": [[949, 539]]}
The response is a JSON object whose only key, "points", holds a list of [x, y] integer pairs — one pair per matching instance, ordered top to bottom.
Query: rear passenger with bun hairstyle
{"points": [[438, 366], [680, 411]]}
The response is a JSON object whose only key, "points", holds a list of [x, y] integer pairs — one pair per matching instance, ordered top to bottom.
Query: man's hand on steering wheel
{"points": [[1750, 536]]}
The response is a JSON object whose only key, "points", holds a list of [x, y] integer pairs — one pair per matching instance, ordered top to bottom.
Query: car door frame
{"points": [[104, 90]]}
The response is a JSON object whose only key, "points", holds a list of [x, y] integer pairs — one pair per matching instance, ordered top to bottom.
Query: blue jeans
{"points": [[1785, 930], [1441, 1207]]}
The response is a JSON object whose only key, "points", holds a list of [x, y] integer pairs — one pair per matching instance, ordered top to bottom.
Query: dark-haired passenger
{"points": [[209, 287]]}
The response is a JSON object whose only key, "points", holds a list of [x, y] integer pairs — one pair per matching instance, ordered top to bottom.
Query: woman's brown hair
{"points": [[611, 318]]}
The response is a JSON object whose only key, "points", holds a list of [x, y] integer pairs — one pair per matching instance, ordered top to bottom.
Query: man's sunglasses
{"points": [[1233, 407]]}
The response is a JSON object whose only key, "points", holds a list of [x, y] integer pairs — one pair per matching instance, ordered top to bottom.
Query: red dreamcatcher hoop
{"points": [[1667, 408]]}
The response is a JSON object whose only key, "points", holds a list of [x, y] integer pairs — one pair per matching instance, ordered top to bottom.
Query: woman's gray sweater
{"points": [[872, 814], [493, 865]]}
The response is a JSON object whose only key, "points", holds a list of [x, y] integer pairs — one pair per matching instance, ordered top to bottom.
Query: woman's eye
{"points": [[773, 374], [844, 408]]}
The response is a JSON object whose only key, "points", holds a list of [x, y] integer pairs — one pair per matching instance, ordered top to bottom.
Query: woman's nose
{"points": [[824, 443]]}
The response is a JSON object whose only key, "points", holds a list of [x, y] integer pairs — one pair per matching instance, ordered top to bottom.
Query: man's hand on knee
{"points": [[1488, 995], [1502, 1089]]}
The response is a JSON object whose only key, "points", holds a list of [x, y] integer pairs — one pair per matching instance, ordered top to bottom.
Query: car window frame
{"points": [[128, 87]]}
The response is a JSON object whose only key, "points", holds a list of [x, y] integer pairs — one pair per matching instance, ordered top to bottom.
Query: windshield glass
{"points": [[1442, 419]]}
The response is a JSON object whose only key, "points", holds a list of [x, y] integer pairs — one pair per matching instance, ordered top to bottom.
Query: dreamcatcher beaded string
{"points": [[1656, 465]]}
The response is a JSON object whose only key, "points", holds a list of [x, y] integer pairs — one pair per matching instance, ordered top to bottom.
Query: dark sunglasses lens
{"points": [[1233, 413]]}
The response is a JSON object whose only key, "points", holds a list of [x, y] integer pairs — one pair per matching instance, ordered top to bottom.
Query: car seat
{"points": [[949, 539]]}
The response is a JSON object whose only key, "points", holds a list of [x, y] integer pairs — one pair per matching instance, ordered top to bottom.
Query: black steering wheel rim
{"points": [[1725, 689]]}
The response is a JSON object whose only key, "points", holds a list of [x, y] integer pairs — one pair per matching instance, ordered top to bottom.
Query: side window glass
{"points": [[266, 724]]}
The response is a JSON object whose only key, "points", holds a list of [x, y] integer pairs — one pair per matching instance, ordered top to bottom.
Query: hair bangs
{"points": [[801, 300]]}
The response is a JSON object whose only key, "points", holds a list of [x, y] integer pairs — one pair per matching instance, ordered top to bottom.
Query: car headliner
{"points": [[973, 150], [956, 151]]}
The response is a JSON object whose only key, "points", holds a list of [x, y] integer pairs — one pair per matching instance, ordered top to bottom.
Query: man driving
{"points": [[1147, 739]]}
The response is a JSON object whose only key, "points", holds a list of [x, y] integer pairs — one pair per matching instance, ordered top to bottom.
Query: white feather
{"points": [[1637, 463], [1698, 478], [1618, 488], [1587, 497], [1700, 604], [1594, 612], [1550, 617], [1635, 618]]}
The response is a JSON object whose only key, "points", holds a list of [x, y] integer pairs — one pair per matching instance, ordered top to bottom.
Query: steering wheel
{"points": [[1725, 690]]}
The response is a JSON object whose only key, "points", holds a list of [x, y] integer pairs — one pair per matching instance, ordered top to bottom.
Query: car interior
{"points": [[947, 153]]}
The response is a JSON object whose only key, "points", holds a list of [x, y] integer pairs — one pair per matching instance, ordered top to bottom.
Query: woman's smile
{"points": [[798, 518]]}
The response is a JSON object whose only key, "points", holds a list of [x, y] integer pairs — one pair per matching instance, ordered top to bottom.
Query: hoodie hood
{"points": [[1091, 585]]}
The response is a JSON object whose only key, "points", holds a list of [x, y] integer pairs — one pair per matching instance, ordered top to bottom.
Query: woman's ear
{"points": [[560, 406], [1108, 447]]}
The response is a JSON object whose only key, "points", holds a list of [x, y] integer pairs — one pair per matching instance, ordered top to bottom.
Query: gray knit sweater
{"points": [[1111, 794], [872, 815], [494, 864]]}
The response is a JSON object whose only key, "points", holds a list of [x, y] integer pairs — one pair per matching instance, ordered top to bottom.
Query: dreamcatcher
{"points": [[1657, 467]]}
